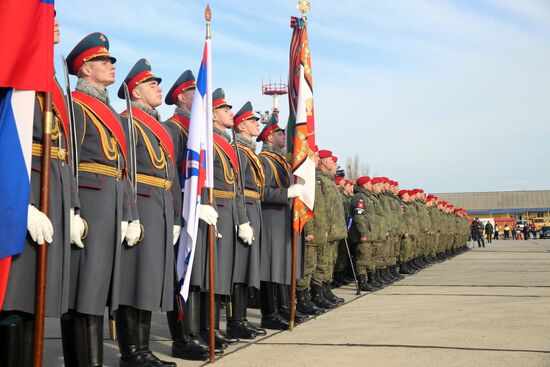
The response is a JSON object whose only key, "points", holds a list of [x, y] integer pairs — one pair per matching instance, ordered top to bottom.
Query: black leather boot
{"points": [[387, 275], [331, 296], [318, 298], [283, 300], [304, 304], [271, 319], [236, 325], [94, 326], [258, 330], [144, 334], [17, 336], [128, 337], [73, 339], [222, 340], [187, 341]]}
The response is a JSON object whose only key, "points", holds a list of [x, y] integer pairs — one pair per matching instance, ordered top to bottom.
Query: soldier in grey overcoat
{"points": [[228, 202], [106, 203], [147, 267], [246, 268], [17, 314], [187, 342]]}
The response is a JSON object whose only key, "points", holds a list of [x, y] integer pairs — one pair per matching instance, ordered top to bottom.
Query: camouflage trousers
{"points": [[426, 245], [393, 250], [406, 251], [334, 252], [380, 253], [363, 258], [342, 259], [325, 263], [310, 264]]}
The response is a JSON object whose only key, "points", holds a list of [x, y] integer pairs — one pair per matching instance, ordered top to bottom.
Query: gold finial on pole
{"points": [[303, 6], [207, 17]]}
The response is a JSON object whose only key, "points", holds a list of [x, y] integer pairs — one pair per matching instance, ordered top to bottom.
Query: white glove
{"points": [[295, 190], [208, 214], [39, 226], [77, 229], [123, 230], [177, 230], [133, 233], [246, 233]]}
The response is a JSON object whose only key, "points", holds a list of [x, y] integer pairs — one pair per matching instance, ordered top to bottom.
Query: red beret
{"points": [[325, 154], [335, 158], [338, 179], [362, 180], [376, 180], [385, 180], [349, 182], [402, 192]]}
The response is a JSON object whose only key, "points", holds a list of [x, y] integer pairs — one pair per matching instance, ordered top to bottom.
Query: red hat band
{"points": [[88, 55], [139, 78], [190, 84], [244, 116], [268, 131]]}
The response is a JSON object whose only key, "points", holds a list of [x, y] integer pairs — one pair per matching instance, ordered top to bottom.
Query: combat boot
{"points": [[394, 270], [340, 278], [373, 281], [364, 285], [331, 296], [318, 298], [283, 300], [305, 306]]}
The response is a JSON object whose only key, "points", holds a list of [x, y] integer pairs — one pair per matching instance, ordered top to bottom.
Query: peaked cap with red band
{"points": [[93, 46], [140, 73], [185, 82], [218, 99], [245, 113], [269, 128], [323, 153], [362, 180]]}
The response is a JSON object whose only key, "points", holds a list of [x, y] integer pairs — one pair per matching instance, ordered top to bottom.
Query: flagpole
{"points": [[42, 263], [211, 263]]}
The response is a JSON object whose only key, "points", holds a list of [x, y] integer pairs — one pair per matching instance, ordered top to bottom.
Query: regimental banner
{"points": [[301, 123]]}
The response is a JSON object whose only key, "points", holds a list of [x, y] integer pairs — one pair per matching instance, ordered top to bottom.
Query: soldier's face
{"points": [[56, 34], [101, 71], [150, 93], [187, 99], [223, 116], [250, 127], [279, 139], [377, 188], [405, 198]]}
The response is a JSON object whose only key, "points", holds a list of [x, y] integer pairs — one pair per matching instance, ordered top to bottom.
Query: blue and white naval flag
{"points": [[198, 169]]}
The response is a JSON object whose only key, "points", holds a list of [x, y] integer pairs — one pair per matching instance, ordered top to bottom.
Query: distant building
{"points": [[500, 204]]}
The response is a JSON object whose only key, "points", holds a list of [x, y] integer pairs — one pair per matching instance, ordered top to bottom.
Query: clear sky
{"points": [[447, 95]]}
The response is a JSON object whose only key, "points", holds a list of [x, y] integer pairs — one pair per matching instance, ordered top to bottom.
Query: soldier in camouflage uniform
{"points": [[337, 224], [316, 232], [361, 233], [410, 234], [342, 259]]}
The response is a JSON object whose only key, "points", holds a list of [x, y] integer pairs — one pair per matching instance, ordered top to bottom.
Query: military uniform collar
{"points": [[87, 88], [148, 110], [180, 111], [223, 134], [246, 142], [269, 148], [327, 174]]}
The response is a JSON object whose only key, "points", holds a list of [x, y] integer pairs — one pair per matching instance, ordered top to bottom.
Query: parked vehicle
{"points": [[540, 222], [545, 232]]}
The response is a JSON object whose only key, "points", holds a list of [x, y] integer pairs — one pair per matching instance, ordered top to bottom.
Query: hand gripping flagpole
{"points": [[42, 263], [211, 276]]}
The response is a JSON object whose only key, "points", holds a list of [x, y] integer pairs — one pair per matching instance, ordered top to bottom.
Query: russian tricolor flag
{"points": [[26, 66], [198, 168]]}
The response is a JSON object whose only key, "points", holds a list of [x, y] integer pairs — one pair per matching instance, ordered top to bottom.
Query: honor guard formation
{"points": [[113, 228]]}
